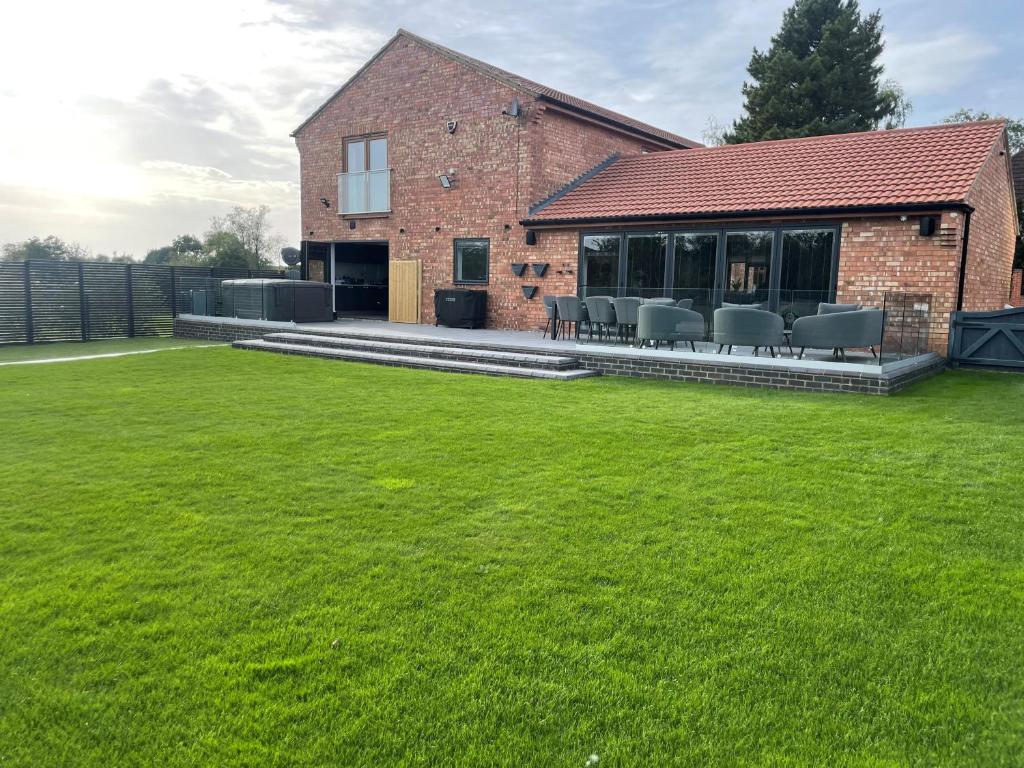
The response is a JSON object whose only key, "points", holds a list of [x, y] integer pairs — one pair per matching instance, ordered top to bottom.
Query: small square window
{"points": [[472, 259]]}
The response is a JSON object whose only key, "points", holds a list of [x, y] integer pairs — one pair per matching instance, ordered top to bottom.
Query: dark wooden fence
{"points": [[82, 300]]}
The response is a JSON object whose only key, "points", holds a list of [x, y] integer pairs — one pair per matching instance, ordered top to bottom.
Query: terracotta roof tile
{"points": [[937, 164]]}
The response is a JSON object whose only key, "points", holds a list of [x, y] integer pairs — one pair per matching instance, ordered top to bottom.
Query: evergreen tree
{"points": [[820, 75]]}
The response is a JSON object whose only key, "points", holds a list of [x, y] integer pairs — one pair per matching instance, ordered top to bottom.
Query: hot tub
{"points": [[300, 301]]}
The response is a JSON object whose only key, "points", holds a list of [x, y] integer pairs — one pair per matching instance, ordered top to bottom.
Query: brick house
{"points": [[427, 154], [372, 158]]}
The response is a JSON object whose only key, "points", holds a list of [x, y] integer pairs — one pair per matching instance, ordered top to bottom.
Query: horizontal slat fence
{"points": [[44, 301], [12, 302]]}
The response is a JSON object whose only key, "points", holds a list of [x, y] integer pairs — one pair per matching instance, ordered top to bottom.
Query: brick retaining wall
{"points": [[217, 331], [762, 376]]}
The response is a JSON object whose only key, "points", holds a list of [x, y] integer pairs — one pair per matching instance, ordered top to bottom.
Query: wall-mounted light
{"points": [[447, 179], [325, 202], [352, 224], [531, 237]]}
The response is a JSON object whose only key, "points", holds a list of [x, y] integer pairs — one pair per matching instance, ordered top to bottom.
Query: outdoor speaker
{"points": [[927, 226], [531, 237]]}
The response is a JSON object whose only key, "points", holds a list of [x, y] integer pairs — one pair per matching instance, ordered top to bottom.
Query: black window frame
{"points": [[722, 229], [456, 242]]}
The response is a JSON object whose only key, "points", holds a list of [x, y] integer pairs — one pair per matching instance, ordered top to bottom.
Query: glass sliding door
{"points": [[645, 265], [748, 267], [600, 269], [806, 271], [693, 277]]}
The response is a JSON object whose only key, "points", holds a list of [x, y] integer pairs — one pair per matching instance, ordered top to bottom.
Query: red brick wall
{"points": [[562, 147], [502, 165], [993, 234], [883, 254], [1016, 299]]}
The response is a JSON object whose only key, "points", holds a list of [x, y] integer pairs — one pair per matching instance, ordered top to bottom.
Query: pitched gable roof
{"points": [[522, 84], [875, 169]]}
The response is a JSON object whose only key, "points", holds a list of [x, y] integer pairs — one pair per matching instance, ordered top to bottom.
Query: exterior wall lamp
{"points": [[447, 179]]}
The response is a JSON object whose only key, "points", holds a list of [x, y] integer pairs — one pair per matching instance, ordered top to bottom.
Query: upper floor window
{"points": [[364, 185]]}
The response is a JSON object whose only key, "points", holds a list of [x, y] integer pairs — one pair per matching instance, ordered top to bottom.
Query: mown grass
{"points": [[10, 353], [216, 557]]}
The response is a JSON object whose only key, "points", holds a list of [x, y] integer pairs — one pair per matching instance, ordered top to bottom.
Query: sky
{"points": [[124, 124]]}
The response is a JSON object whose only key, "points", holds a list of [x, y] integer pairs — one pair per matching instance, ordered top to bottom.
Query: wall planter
{"points": [[519, 269], [539, 269], [529, 291]]}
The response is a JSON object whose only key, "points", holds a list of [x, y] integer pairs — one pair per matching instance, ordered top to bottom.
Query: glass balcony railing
{"points": [[365, 191]]}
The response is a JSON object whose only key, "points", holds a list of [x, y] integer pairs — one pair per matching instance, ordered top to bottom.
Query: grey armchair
{"points": [[658, 300], [685, 303], [757, 305], [824, 308], [570, 312], [601, 314], [626, 316], [661, 322], [741, 326], [839, 331]]}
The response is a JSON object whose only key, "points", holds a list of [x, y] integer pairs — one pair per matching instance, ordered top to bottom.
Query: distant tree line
{"points": [[241, 239], [52, 248]]}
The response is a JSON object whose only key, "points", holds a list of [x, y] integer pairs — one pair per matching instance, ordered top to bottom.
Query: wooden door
{"points": [[404, 278]]}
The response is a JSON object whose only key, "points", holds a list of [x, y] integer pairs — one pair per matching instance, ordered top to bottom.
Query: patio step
{"points": [[423, 340], [412, 348], [408, 356]]}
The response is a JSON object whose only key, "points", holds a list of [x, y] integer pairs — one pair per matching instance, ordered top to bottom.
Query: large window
{"points": [[364, 186], [472, 260], [748, 264], [600, 265], [645, 265], [694, 269], [787, 269], [806, 271]]}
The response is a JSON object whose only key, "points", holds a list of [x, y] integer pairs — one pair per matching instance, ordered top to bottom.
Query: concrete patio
{"points": [[817, 371]]}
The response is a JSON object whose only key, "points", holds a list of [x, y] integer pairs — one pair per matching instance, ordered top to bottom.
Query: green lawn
{"points": [[18, 352], [216, 557]]}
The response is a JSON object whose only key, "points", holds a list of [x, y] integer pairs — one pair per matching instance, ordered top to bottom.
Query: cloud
{"points": [[937, 63], [180, 110]]}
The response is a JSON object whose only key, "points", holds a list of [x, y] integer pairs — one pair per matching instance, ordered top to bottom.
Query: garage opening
{"points": [[361, 279]]}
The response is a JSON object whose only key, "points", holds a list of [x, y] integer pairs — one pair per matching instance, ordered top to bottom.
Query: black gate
{"points": [[991, 339]]}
